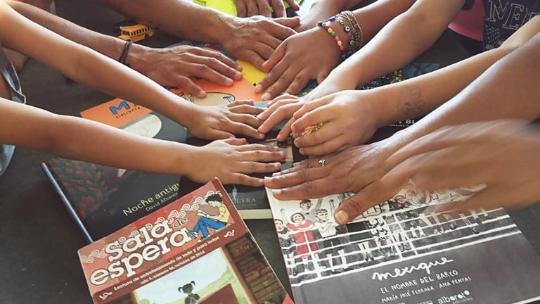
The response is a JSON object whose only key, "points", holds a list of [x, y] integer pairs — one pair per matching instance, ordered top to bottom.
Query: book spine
{"points": [[66, 202]]}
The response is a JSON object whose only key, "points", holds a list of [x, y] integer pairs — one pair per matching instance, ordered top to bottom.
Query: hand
{"points": [[248, 8], [254, 39], [308, 55], [177, 66], [334, 83], [278, 110], [350, 118], [218, 122], [501, 155], [231, 160], [346, 171]]}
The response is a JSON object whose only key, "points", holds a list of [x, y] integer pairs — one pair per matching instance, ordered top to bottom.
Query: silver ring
{"points": [[322, 162]]}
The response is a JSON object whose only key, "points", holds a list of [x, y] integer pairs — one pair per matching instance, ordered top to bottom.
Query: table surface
{"points": [[38, 239]]}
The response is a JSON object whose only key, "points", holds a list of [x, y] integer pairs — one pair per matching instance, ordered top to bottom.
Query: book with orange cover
{"points": [[195, 250]]}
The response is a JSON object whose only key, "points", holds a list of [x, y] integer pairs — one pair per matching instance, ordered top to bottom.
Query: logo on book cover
{"points": [[116, 109]]}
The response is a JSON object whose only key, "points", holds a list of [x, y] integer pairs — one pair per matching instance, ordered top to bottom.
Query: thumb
{"points": [[321, 77], [354, 206]]}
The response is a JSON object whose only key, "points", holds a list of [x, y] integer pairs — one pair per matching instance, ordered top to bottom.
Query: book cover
{"points": [[103, 199], [194, 250], [394, 253]]}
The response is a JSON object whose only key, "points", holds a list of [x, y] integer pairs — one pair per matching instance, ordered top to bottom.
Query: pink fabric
{"points": [[470, 23]]}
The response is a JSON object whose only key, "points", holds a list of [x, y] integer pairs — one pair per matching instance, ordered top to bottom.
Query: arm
{"points": [[324, 9], [251, 39], [398, 43], [314, 53], [89, 67], [169, 67], [76, 138], [487, 149]]}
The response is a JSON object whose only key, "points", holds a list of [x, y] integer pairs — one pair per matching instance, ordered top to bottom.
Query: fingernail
{"points": [[238, 76], [229, 82], [258, 88], [202, 94], [265, 96], [260, 135], [301, 151], [277, 165], [276, 192], [342, 217]]}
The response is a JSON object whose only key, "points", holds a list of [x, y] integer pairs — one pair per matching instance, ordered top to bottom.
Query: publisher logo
{"points": [[122, 105], [229, 234], [461, 297]]}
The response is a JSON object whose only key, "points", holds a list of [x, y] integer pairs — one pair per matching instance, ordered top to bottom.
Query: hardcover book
{"points": [[194, 250], [394, 253]]}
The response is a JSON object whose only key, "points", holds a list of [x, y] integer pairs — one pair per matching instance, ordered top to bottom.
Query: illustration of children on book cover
{"points": [[195, 250]]}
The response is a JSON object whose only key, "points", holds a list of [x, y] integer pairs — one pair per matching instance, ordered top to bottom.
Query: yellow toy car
{"points": [[135, 32]]}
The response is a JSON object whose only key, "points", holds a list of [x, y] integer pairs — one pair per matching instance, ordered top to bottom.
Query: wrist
{"points": [[224, 28], [138, 57], [184, 159]]}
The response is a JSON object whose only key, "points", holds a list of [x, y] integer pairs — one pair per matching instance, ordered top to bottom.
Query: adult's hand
{"points": [[248, 8], [254, 39], [308, 55], [178, 66], [501, 156], [231, 160]]}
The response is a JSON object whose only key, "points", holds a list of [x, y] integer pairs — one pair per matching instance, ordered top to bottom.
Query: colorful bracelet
{"points": [[326, 25]]}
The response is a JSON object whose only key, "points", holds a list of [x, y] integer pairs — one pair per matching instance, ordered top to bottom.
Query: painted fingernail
{"points": [[266, 96], [342, 217]]}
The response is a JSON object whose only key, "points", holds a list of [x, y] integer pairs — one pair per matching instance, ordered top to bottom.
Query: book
{"points": [[228, 6], [103, 199], [194, 250], [394, 253]]}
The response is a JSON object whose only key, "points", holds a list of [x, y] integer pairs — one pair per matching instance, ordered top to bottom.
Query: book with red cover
{"points": [[194, 250]]}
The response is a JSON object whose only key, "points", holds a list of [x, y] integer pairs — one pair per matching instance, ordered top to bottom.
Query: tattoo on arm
{"points": [[411, 102]]}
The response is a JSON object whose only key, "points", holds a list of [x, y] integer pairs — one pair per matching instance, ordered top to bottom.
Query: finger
{"points": [[293, 4], [241, 8], [264, 8], [279, 8], [252, 9], [285, 28], [263, 50], [219, 56], [276, 57], [253, 58], [219, 66], [206, 72], [322, 76], [270, 79], [283, 81], [299, 83], [187, 84], [282, 97], [241, 102], [310, 106], [272, 108], [245, 109], [322, 114], [279, 115], [246, 119], [240, 128], [285, 131], [218, 134], [324, 134], [235, 141], [332, 145], [256, 147], [262, 156], [257, 167], [295, 178], [242, 179], [311, 189], [484, 199], [354, 206]]}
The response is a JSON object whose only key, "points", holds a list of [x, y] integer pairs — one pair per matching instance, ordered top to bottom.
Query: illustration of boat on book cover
{"points": [[194, 250], [394, 253]]}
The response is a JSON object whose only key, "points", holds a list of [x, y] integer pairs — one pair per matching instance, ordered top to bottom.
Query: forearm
{"points": [[324, 9], [181, 18], [397, 43], [107, 45], [87, 66], [507, 90]]}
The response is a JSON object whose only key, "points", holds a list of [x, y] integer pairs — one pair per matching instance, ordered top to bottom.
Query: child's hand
{"points": [[308, 55], [177, 66], [279, 109], [349, 118], [218, 122], [231, 160]]}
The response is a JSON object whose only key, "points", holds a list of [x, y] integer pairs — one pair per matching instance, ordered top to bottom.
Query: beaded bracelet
{"points": [[326, 25], [356, 29]]}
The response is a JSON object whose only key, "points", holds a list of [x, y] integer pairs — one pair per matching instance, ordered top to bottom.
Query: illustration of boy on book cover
{"points": [[194, 250]]}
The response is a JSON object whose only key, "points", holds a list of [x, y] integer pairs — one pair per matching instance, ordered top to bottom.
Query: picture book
{"points": [[103, 199], [196, 250], [394, 253]]}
